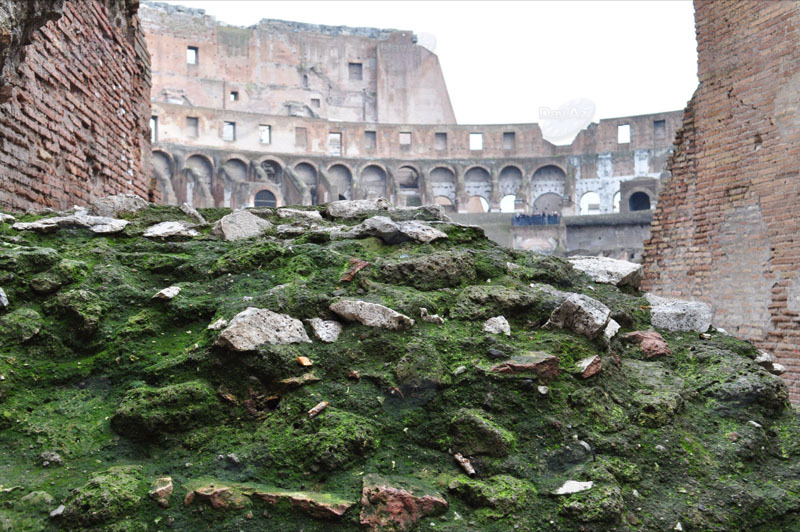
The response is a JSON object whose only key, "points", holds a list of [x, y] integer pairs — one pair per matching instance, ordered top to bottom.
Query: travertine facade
{"points": [[74, 106], [286, 112], [725, 229]]}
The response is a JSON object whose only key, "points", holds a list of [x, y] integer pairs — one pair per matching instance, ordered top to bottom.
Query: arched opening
{"points": [[236, 169], [270, 171], [162, 174], [308, 175], [341, 177], [407, 178], [548, 179], [510, 180], [373, 181], [478, 182], [443, 184], [196, 188], [265, 198], [639, 201], [445, 202], [548, 202], [615, 202], [508, 203], [590, 203], [477, 204]]}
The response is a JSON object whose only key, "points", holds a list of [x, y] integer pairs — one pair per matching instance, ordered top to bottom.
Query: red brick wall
{"points": [[75, 107], [727, 226]]}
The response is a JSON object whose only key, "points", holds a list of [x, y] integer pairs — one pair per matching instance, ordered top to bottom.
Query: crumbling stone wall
{"points": [[74, 103], [726, 225]]}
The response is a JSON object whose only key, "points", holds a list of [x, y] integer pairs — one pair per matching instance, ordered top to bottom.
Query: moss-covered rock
{"points": [[431, 272], [474, 433], [502, 492], [106, 497]]}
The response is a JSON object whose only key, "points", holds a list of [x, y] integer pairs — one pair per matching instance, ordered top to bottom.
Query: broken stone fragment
{"points": [[118, 204], [353, 208], [191, 211], [298, 213], [6, 218], [97, 224], [239, 225], [166, 230], [393, 232], [608, 270], [168, 293], [3, 299], [580, 314], [372, 315], [679, 315], [430, 318], [218, 325], [497, 325], [254, 327], [611, 329], [327, 331], [651, 343], [304, 361], [539, 362], [589, 366], [777, 369], [297, 382], [317, 410], [474, 433], [50, 458], [465, 464], [573, 486], [161, 490], [218, 497], [397, 503], [318, 505], [58, 512]]}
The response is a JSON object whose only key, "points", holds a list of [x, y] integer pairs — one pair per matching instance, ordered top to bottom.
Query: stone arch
{"points": [[236, 169], [268, 170], [163, 174], [307, 174], [341, 177], [407, 177], [549, 178], [373, 180], [510, 180], [477, 182], [443, 183], [195, 186], [272, 189], [265, 198], [615, 201], [639, 201], [445, 202], [548, 202], [590, 203], [477, 204]]}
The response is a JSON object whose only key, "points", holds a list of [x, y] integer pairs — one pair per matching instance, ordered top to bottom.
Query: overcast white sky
{"points": [[503, 61]]}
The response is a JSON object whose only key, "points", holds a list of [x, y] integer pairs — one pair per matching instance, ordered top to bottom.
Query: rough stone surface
{"points": [[118, 205], [354, 208], [191, 211], [299, 213], [97, 224], [240, 224], [166, 230], [393, 232], [608, 270], [168, 293], [3, 299], [580, 314], [372, 315], [679, 315], [430, 318], [497, 325], [254, 327], [611, 329], [325, 330], [651, 343], [538, 362], [590, 366], [474, 433], [573, 486], [161, 491], [396, 503], [316, 505]]}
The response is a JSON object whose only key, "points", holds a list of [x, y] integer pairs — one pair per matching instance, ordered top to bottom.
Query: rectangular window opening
{"points": [[192, 55], [355, 71], [234, 96], [315, 103], [193, 126], [153, 129], [660, 129], [229, 131], [265, 134], [623, 134], [405, 138], [300, 139], [370, 140], [509, 140], [440, 141], [475, 141], [335, 143]]}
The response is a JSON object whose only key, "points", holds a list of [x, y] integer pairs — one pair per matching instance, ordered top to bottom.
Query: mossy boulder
{"points": [[431, 272], [486, 301], [83, 309], [19, 325], [148, 411], [474, 433], [502, 492], [106, 497]]}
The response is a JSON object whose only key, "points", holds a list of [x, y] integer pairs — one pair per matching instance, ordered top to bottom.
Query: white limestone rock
{"points": [[113, 206], [353, 208], [191, 211], [298, 213], [6, 218], [81, 218], [240, 224], [166, 230], [393, 232], [420, 232], [607, 270], [168, 293], [3, 299], [372, 314], [580, 314], [679, 315], [430, 318], [218, 325], [497, 325], [255, 326], [611, 329], [327, 331], [589, 366], [573, 486]]}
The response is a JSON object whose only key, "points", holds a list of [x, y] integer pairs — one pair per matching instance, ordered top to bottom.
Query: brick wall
{"points": [[74, 103], [726, 229]]}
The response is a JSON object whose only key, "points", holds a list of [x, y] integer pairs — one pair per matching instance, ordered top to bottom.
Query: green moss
{"points": [[474, 433], [502, 492], [107, 496]]}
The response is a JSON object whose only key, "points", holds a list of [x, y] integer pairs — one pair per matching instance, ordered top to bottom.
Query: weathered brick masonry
{"points": [[74, 102], [727, 227]]}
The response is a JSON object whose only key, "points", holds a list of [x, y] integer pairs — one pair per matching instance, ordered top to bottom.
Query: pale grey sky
{"points": [[503, 61]]}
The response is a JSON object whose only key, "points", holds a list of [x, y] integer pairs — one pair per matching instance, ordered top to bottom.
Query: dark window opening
{"points": [[192, 55], [355, 71], [234, 96], [193, 126], [660, 129], [370, 140], [509, 140], [440, 141], [265, 198], [639, 201]]}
